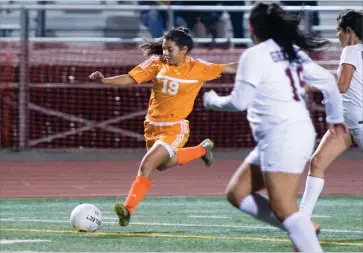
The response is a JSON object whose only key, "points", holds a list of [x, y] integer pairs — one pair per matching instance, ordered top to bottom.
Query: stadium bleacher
{"points": [[121, 23]]}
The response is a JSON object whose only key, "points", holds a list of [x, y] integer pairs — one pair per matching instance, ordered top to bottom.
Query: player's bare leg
{"points": [[329, 149], [246, 180]]}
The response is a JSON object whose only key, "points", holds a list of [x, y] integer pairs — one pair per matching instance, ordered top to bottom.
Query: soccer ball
{"points": [[86, 218]]}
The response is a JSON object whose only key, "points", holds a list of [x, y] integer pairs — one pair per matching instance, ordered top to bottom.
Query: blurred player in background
{"points": [[177, 79], [270, 83], [350, 83]]}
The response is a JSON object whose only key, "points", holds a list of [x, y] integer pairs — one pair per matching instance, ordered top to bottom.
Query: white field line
{"points": [[189, 216], [211, 216], [321, 216], [230, 217], [182, 225], [21, 241]]}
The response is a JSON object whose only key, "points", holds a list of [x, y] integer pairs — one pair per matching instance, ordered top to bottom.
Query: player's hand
{"points": [[97, 76], [309, 88], [208, 98], [338, 128]]}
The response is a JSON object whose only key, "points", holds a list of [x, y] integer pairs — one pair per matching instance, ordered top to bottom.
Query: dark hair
{"points": [[353, 19], [270, 21], [180, 35]]}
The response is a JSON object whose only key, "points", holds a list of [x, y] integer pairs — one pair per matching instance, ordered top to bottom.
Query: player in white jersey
{"points": [[350, 83], [270, 84]]}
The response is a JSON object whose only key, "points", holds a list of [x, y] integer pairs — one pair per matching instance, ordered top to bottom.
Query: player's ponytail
{"points": [[270, 21], [180, 35], [152, 47]]}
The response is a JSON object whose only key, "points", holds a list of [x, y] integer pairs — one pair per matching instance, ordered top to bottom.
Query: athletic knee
{"points": [[315, 162], [168, 164], [317, 165], [162, 167], [146, 168], [234, 196]]}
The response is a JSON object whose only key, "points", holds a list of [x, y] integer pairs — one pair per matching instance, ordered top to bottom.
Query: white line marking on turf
{"points": [[213, 212], [6, 213], [213, 215], [189, 216], [209, 216], [321, 216], [110, 218], [32, 220], [185, 225], [21, 241]]}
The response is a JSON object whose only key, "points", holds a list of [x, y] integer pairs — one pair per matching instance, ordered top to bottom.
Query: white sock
{"points": [[313, 188], [257, 205], [302, 233]]}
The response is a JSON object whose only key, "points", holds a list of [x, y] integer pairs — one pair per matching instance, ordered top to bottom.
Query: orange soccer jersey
{"points": [[174, 88], [172, 98]]}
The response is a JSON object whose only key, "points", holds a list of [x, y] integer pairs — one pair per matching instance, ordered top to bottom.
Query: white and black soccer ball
{"points": [[86, 218]]}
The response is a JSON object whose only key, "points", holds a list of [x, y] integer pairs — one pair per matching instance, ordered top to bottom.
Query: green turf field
{"points": [[170, 224]]}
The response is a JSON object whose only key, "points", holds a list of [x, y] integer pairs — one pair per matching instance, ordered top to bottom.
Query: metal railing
{"points": [[41, 8]]}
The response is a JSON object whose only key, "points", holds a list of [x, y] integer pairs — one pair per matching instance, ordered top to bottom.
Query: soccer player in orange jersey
{"points": [[176, 80]]}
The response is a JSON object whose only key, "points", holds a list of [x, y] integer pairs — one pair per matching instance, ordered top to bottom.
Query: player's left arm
{"points": [[230, 67], [208, 71], [244, 90], [240, 99]]}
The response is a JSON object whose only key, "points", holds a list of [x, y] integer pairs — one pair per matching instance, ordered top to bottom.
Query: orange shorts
{"points": [[172, 135]]}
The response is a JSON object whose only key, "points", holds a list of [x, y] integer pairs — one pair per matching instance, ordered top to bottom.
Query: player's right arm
{"points": [[348, 64], [143, 72], [114, 80]]}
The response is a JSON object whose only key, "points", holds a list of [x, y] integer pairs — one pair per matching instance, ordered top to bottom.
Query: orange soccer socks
{"points": [[186, 155], [141, 185], [138, 190]]}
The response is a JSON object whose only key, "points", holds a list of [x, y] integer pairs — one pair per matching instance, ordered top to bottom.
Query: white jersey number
{"points": [[170, 87]]}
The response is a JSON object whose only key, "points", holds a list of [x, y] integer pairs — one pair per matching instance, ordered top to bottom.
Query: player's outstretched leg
{"points": [[186, 155]]}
